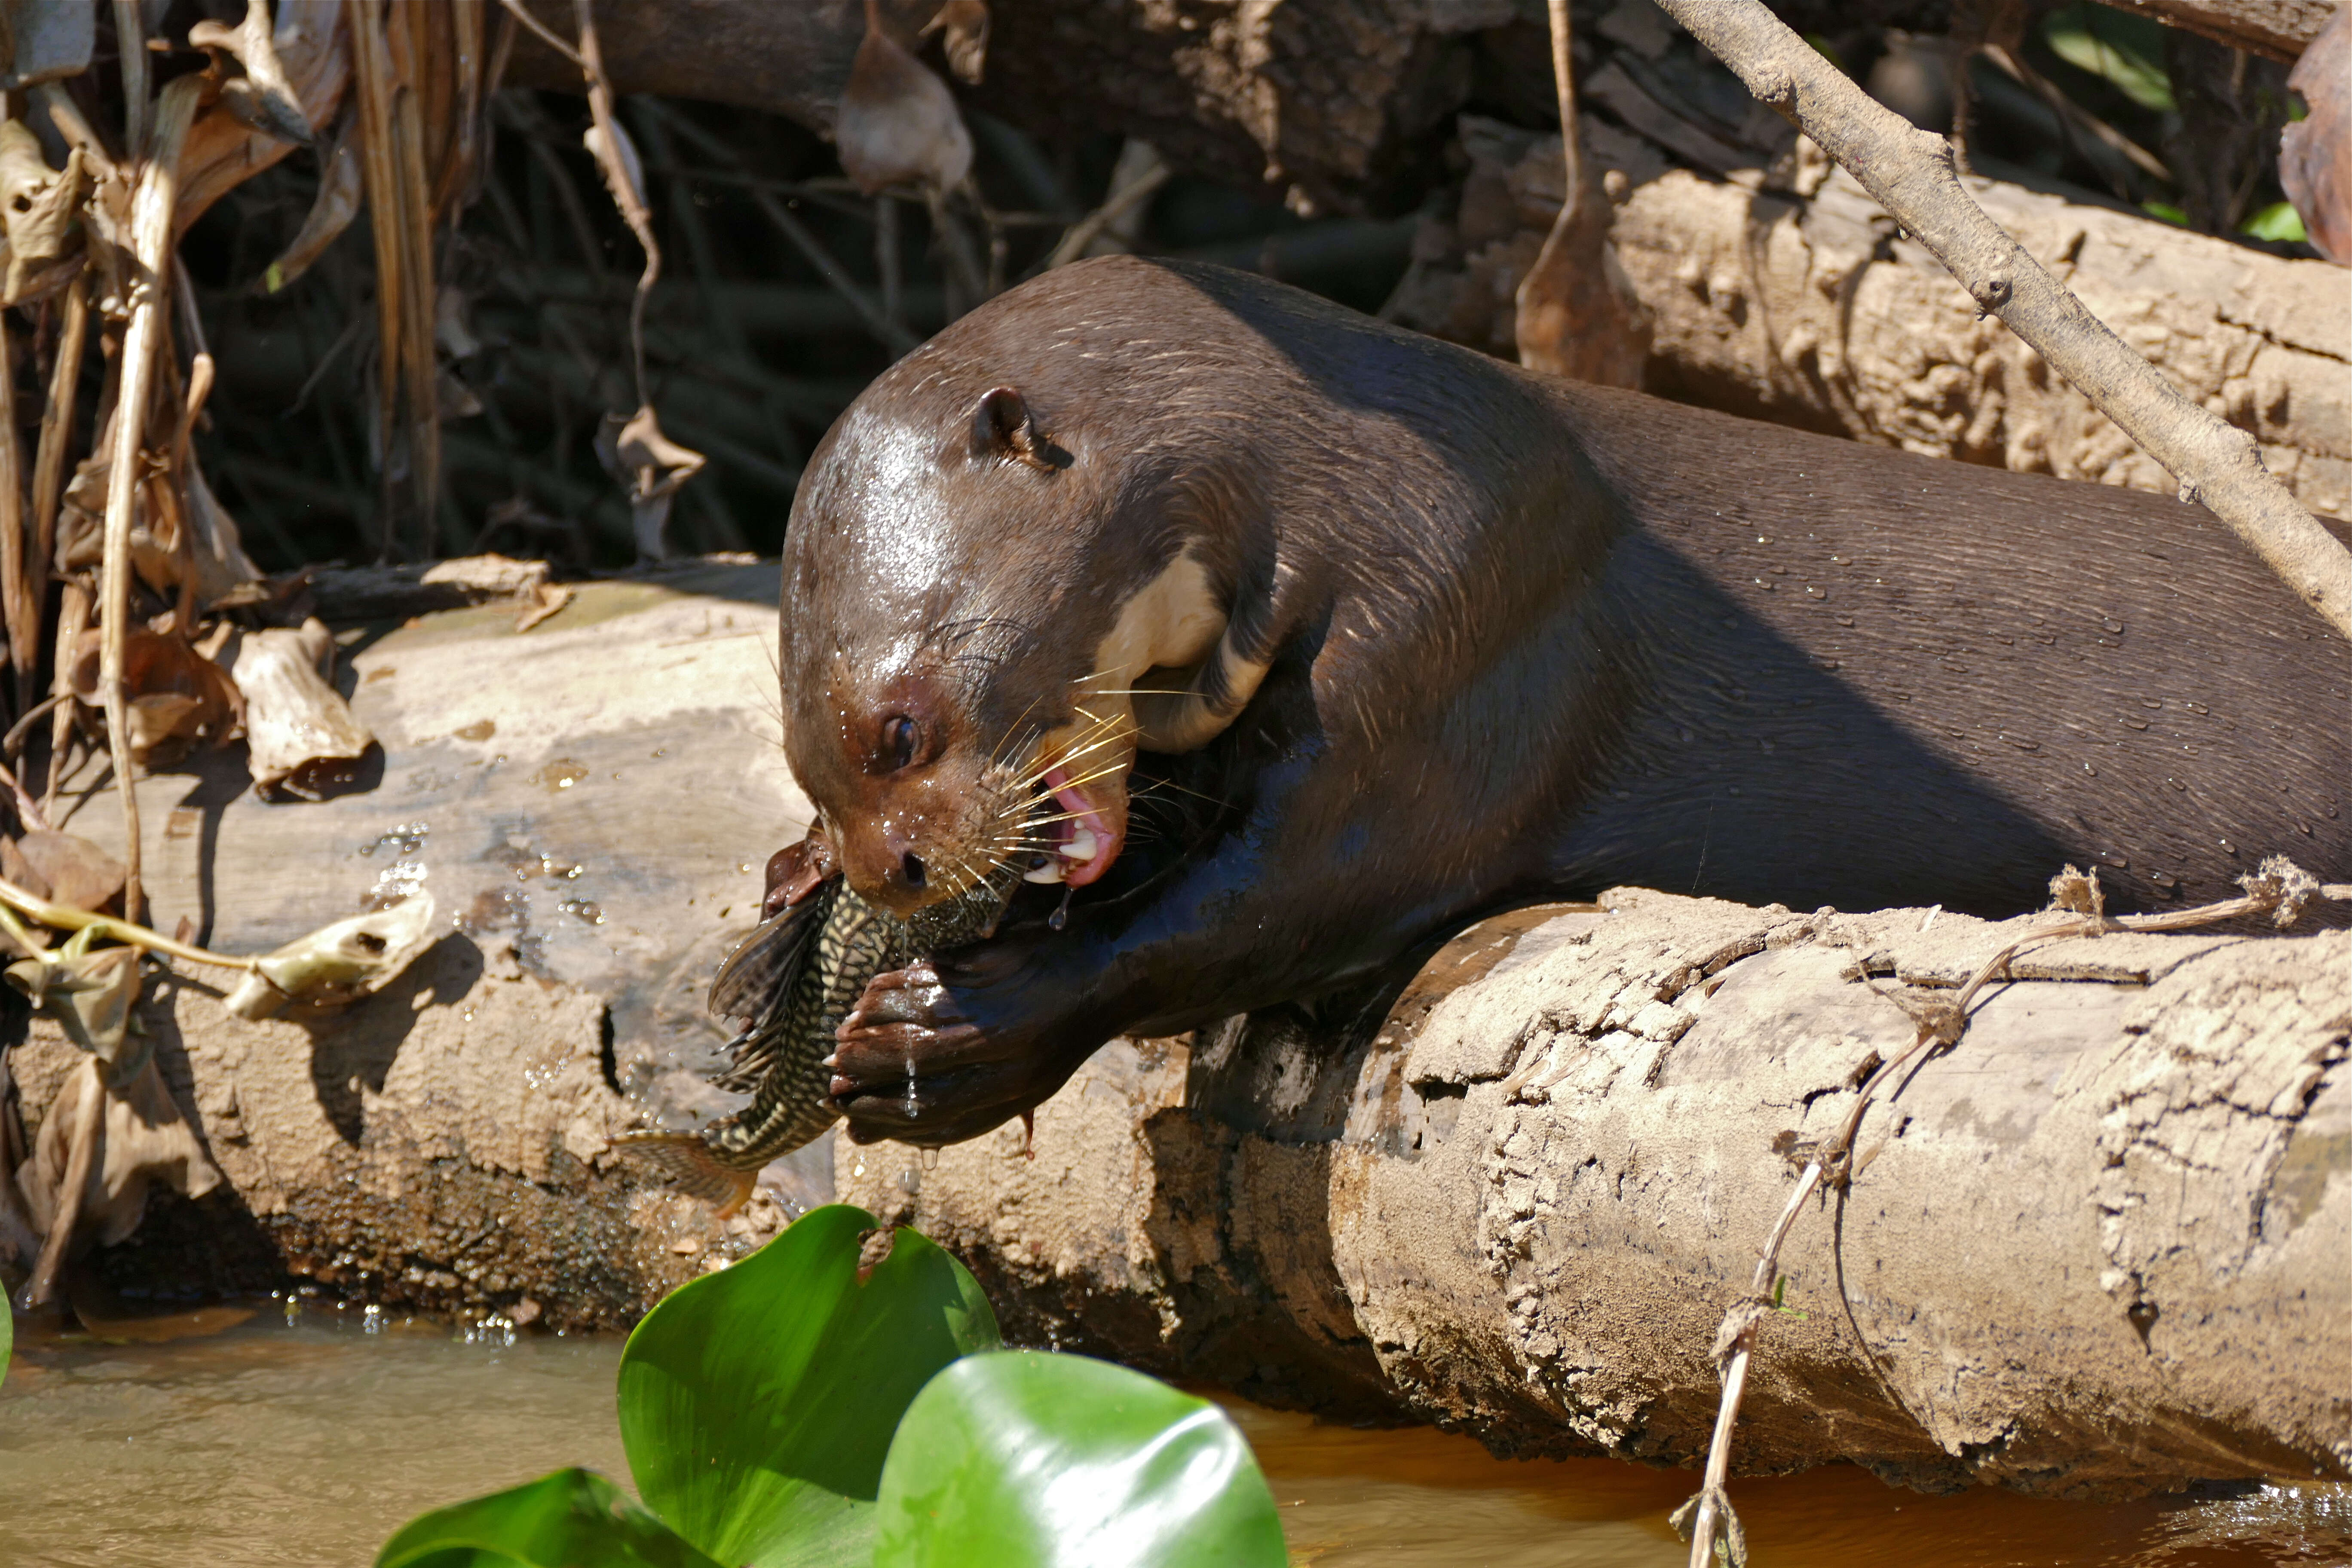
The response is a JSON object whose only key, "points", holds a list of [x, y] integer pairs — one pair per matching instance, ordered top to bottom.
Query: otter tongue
{"points": [[1089, 842]]}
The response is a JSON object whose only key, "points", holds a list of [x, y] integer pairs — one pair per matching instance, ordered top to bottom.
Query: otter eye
{"points": [[897, 742]]}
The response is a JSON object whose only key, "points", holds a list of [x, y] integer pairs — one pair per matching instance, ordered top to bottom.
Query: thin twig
{"points": [[543, 32], [1909, 173], [623, 180], [1115, 206], [151, 239], [13, 746], [28, 810], [130, 933]]}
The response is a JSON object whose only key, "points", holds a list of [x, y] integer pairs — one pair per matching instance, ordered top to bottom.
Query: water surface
{"points": [[306, 1438]]}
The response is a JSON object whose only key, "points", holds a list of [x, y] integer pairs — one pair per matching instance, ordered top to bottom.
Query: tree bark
{"points": [[2095, 1248]]}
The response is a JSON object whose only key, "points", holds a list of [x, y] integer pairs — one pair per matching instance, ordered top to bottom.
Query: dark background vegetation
{"points": [[752, 354]]}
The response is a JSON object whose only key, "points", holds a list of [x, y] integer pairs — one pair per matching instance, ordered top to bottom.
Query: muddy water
{"points": [[305, 1440]]}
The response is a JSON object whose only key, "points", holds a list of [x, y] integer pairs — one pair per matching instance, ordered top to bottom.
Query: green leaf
{"points": [[2125, 50], [2166, 211], [2277, 221], [757, 1403], [1023, 1459], [572, 1519]]}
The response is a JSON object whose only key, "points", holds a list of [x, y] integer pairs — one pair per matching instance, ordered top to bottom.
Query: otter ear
{"points": [[1002, 427]]}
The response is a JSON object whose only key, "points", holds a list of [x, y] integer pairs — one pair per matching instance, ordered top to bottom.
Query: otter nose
{"points": [[910, 870]]}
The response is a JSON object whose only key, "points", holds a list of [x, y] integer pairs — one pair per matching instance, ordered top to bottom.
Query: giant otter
{"points": [[1412, 635]]}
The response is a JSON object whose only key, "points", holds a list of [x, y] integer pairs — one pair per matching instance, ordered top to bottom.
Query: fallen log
{"points": [[1785, 293], [589, 802], [2095, 1248]]}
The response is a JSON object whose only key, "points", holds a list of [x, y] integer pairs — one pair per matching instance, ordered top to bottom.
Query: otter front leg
{"points": [[956, 1044]]}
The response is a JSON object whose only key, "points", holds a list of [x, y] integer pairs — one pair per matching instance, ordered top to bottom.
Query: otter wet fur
{"points": [[1438, 636]]}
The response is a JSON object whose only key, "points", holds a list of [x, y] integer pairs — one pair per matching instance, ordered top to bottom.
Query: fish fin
{"points": [[760, 971], [749, 1055], [687, 1160]]}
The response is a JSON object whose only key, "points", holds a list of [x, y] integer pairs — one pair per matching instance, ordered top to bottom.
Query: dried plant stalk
{"points": [[131, 50], [372, 73], [151, 236], [57, 426], [20, 597], [73, 619]]}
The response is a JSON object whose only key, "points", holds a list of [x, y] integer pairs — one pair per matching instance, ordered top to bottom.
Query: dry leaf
{"points": [[962, 26], [264, 101], [899, 123], [340, 197], [39, 206], [651, 466], [216, 558], [175, 694], [301, 736], [63, 868], [340, 962], [88, 993], [142, 1139]]}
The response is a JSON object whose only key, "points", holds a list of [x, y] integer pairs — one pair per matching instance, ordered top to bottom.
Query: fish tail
{"points": [[687, 1160]]}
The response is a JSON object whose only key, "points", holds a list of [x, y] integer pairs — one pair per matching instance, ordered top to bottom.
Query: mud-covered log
{"points": [[1785, 293], [589, 802], [2096, 1247]]}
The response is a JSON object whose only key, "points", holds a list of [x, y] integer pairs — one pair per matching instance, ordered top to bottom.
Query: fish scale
{"points": [[794, 979]]}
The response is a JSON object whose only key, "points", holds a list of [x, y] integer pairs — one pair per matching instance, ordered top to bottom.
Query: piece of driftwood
{"points": [[1788, 294], [300, 737], [2095, 1248]]}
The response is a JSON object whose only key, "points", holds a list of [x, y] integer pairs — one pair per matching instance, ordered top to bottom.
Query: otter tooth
{"points": [[1083, 845], [1050, 870]]}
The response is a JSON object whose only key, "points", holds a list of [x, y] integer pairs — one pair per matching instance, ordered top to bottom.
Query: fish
{"points": [[789, 985]]}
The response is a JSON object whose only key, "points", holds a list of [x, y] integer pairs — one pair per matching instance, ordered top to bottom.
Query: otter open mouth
{"points": [[1086, 842]]}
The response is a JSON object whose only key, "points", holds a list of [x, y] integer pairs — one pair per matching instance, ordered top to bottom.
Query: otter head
{"points": [[979, 600]]}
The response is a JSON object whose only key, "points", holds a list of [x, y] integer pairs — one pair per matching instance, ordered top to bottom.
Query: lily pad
{"points": [[757, 1403], [1023, 1459], [572, 1519]]}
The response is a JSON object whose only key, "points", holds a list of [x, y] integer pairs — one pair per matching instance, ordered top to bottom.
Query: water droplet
{"points": [[2112, 623]]}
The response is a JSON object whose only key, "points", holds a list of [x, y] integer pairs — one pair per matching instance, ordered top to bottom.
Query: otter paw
{"points": [[913, 1062]]}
